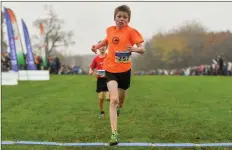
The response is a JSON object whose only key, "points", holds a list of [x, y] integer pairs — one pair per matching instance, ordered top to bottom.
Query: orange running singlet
{"points": [[117, 39]]}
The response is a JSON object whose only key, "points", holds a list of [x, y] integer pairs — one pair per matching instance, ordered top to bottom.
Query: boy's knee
{"points": [[100, 96], [108, 98], [114, 100]]}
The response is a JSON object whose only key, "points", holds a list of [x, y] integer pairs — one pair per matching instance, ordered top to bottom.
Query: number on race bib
{"points": [[122, 57], [101, 73]]}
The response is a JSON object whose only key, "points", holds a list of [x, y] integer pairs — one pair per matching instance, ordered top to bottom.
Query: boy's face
{"points": [[121, 19], [102, 50]]}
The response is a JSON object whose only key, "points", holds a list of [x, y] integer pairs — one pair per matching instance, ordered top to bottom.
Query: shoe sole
{"points": [[118, 113], [114, 143]]}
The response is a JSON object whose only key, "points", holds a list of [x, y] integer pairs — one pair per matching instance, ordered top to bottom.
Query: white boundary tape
{"points": [[120, 144]]}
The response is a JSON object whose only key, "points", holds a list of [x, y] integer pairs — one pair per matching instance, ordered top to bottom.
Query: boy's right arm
{"points": [[99, 45], [92, 66], [90, 71]]}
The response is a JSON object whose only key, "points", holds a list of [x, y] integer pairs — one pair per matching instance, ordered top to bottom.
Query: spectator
{"points": [[221, 65], [229, 68]]}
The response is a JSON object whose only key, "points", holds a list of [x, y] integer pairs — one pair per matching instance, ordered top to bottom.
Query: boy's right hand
{"points": [[94, 49], [90, 72]]}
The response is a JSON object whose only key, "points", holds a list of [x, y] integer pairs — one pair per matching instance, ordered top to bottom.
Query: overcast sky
{"points": [[89, 20]]}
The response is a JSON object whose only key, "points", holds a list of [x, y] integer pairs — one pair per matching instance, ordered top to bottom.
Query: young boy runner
{"points": [[120, 40], [97, 66]]}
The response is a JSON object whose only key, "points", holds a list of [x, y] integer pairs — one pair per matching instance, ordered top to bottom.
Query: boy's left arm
{"points": [[137, 40], [139, 49]]}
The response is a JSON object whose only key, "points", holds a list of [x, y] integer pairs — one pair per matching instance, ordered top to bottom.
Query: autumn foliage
{"points": [[190, 45]]}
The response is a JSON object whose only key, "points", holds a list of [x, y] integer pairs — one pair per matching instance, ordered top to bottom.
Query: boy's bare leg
{"points": [[113, 90], [107, 95], [122, 96], [101, 104]]}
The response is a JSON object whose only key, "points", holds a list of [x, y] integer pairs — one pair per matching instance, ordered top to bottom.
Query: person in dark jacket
{"points": [[221, 65]]}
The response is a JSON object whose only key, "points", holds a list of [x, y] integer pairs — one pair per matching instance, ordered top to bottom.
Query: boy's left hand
{"points": [[129, 47]]}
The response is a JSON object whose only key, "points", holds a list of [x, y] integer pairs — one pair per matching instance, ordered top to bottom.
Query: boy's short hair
{"points": [[123, 8]]}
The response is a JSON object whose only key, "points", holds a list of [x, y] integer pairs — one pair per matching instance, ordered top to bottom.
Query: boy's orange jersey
{"points": [[117, 39]]}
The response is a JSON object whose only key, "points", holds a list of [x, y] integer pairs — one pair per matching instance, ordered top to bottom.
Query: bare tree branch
{"points": [[55, 37]]}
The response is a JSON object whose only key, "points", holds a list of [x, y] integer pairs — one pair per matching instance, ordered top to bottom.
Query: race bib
{"points": [[122, 57], [101, 73]]}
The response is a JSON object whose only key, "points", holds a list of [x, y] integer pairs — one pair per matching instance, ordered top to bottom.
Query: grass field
{"points": [[157, 109]]}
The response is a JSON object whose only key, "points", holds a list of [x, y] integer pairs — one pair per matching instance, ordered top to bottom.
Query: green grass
{"points": [[157, 109]]}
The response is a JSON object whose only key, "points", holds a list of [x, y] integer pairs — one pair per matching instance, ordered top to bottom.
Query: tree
{"points": [[194, 33], [55, 37], [189, 45], [182, 46], [149, 60]]}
